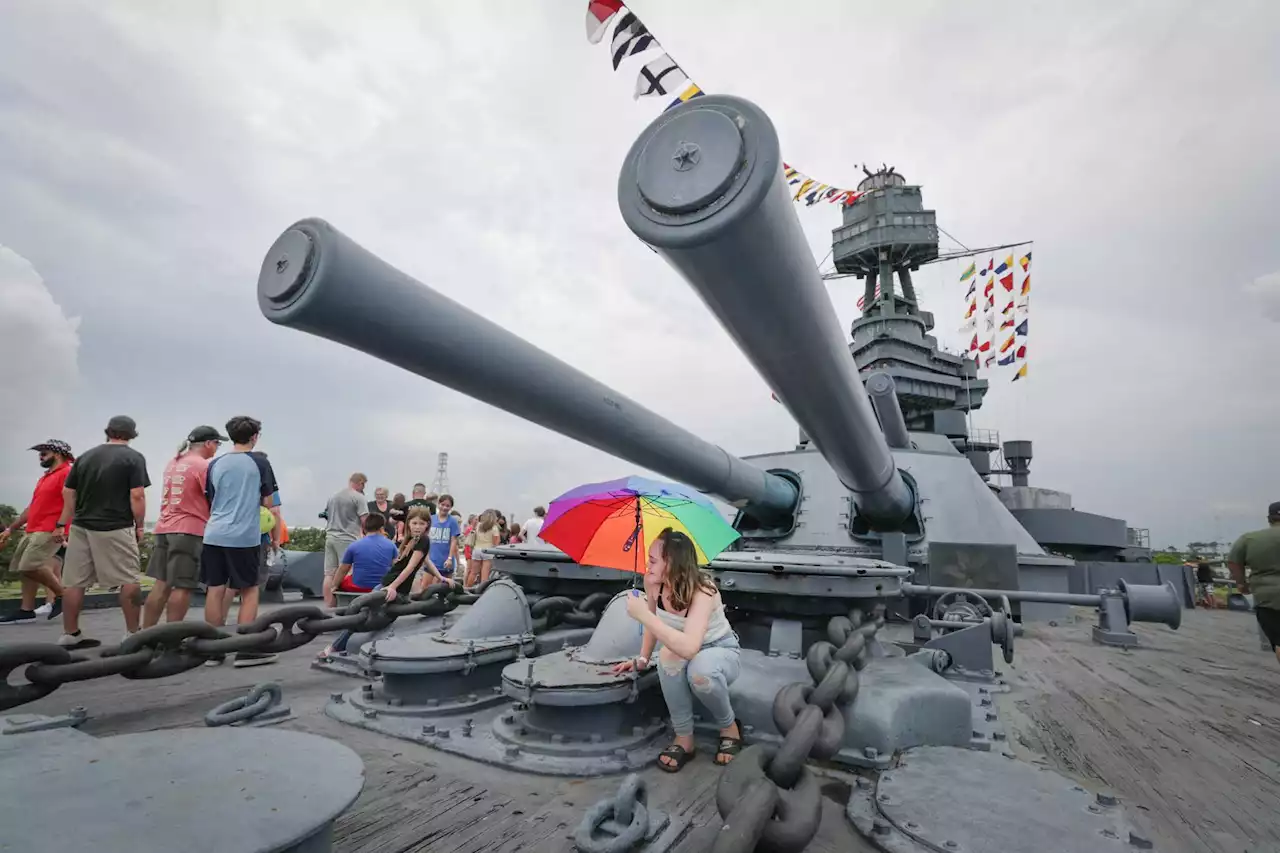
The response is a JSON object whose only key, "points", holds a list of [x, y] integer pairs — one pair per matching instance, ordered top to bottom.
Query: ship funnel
{"points": [[703, 186], [318, 280]]}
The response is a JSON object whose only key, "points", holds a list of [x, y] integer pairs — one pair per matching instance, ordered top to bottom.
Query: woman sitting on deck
{"points": [[682, 610]]}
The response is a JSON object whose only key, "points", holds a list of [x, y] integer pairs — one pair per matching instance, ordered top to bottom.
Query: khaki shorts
{"points": [[334, 548], [34, 552], [102, 557], [175, 560]]}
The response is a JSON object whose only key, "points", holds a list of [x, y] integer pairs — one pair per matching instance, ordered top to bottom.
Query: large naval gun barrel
{"points": [[703, 186], [318, 280]]}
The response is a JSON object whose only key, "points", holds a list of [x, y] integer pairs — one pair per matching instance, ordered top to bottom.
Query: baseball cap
{"points": [[124, 425], [205, 433], [55, 446], [1274, 510]]}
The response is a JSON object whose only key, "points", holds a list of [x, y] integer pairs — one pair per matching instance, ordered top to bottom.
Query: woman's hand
{"points": [[391, 592], [637, 605], [633, 665]]}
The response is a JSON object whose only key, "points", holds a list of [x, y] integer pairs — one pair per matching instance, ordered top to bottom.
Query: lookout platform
{"points": [[1185, 729]]}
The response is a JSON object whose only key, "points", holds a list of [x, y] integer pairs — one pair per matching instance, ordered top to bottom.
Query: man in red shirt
{"points": [[184, 512], [38, 551]]}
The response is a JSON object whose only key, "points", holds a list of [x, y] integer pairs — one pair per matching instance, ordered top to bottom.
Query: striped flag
{"points": [[599, 14], [631, 37], [687, 95], [1026, 262], [969, 272], [863, 297], [1021, 374]]}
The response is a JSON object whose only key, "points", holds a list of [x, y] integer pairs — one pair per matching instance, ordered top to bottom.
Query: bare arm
{"points": [[137, 503], [68, 505], [19, 522], [341, 573], [1237, 574], [684, 643]]}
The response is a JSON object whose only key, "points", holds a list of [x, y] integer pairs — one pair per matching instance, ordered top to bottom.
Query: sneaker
{"points": [[44, 609], [55, 611], [18, 617], [77, 641], [243, 659]]}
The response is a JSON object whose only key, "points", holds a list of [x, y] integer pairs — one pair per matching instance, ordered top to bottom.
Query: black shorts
{"points": [[234, 567], [1269, 621]]}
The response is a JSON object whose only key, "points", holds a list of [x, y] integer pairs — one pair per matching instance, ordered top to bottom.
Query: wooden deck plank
{"points": [[1185, 728]]}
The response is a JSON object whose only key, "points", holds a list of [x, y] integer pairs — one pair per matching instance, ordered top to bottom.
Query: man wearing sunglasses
{"points": [[37, 553]]}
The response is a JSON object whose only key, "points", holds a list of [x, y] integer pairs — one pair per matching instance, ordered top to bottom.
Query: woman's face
{"points": [[380, 495], [416, 526], [657, 564]]}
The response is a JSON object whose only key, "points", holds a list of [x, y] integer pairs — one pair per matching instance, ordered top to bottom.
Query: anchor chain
{"points": [[554, 610], [176, 647], [256, 702], [769, 799], [629, 811]]}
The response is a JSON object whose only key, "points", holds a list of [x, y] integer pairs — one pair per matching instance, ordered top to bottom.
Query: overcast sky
{"points": [[150, 152]]}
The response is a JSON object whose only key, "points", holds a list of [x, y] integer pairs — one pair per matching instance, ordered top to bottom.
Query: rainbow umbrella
{"points": [[613, 524]]}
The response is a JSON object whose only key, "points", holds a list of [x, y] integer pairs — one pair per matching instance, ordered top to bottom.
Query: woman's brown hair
{"points": [[488, 519], [406, 546], [684, 578]]}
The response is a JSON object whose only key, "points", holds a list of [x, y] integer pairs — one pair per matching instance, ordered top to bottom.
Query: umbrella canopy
{"points": [[613, 524]]}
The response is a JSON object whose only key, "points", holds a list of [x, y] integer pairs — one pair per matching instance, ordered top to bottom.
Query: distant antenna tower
{"points": [[440, 484]]}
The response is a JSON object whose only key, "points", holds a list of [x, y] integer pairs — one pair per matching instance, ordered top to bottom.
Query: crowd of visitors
{"points": [[220, 527]]}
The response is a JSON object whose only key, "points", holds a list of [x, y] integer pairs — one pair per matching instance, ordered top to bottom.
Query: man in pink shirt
{"points": [[184, 512]]}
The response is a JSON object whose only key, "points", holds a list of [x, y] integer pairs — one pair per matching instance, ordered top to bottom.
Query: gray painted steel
{"points": [[727, 225], [318, 280], [884, 399], [957, 505], [1072, 527], [274, 790], [942, 799]]}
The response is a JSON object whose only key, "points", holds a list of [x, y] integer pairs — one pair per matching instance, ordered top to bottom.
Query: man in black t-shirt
{"points": [[105, 492], [421, 498]]}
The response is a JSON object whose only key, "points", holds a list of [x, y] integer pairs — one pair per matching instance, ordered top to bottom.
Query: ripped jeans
{"points": [[707, 676]]}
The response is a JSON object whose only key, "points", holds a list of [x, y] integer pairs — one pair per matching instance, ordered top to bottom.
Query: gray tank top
{"points": [[717, 625]]}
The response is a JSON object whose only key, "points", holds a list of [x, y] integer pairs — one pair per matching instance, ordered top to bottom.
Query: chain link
{"points": [[554, 610], [176, 647], [255, 703], [768, 797], [628, 809]]}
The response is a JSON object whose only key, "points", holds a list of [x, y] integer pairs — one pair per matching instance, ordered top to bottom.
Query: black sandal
{"points": [[729, 746], [676, 753]]}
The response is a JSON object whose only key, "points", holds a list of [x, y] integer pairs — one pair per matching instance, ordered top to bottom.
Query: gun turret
{"points": [[703, 186], [318, 280]]}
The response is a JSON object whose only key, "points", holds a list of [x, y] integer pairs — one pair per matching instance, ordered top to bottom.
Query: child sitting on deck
{"points": [[367, 559]]}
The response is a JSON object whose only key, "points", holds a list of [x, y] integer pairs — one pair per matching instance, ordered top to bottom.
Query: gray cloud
{"points": [[150, 153], [1265, 292], [38, 346]]}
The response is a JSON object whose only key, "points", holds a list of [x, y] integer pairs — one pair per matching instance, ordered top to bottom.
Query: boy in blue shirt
{"points": [[237, 485], [367, 559]]}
